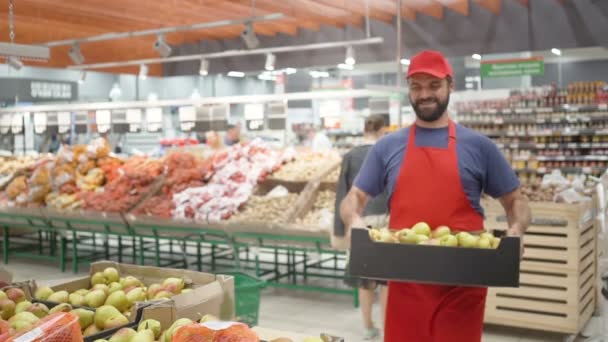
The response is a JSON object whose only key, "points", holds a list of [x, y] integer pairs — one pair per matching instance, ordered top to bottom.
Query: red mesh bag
{"points": [[58, 327], [193, 333], [200, 333]]}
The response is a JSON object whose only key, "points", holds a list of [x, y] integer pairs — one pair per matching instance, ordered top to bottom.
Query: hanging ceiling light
{"points": [[249, 37], [163, 49], [556, 51], [75, 54], [350, 56], [476, 56], [270, 60], [405, 61], [14, 62], [204, 68], [143, 72], [238, 74], [83, 77], [115, 92]]}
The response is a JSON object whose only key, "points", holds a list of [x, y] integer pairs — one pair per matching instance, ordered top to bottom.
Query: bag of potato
{"points": [[17, 187], [57, 327]]}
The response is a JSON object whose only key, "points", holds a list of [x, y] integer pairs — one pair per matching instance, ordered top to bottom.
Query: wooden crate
{"points": [[558, 270]]}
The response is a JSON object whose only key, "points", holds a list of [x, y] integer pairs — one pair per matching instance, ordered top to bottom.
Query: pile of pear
{"points": [[422, 234], [112, 296]]}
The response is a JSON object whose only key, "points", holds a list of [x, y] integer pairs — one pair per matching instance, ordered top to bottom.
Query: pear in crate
{"points": [[43, 293], [85, 317], [150, 324], [123, 335]]}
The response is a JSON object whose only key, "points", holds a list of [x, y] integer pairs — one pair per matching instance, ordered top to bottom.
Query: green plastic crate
{"points": [[248, 292]]}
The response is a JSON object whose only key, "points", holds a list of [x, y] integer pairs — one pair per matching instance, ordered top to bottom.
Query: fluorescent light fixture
{"points": [[249, 37], [163, 49], [556, 52], [75, 54], [350, 56], [476, 56], [270, 60], [405, 61], [14, 62], [344, 66], [204, 68], [290, 71], [143, 72], [236, 74], [319, 74], [83, 77], [267, 77]]}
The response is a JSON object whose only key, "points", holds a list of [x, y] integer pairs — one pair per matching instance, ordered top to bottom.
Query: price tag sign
{"points": [[603, 106], [330, 108], [276, 114], [187, 116], [103, 119], [134, 119], [154, 119], [64, 121], [5, 123], [17, 123], [40, 123], [255, 125], [514, 145], [540, 145], [553, 145], [572, 145], [585, 145], [542, 170], [587, 170]]}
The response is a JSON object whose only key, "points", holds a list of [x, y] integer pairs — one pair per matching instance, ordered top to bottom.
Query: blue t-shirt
{"points": [[483, 168]]}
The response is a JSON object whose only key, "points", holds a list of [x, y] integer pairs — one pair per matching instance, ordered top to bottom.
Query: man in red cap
{"points": [[435, 171]]}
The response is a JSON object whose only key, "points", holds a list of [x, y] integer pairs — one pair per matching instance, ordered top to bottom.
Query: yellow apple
{"points": [[422, 228]]}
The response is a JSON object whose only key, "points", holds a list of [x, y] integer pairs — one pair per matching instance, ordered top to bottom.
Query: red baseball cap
{"points": [[430, 62]]}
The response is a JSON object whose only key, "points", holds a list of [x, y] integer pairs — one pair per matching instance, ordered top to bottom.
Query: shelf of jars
{"points": [[536, 141]]}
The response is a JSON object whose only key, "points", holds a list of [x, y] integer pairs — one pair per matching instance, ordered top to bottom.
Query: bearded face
{"points": [[429, 96]]}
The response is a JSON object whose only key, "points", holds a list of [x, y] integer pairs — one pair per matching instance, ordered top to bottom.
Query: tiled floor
{"points": [[301, 312]]}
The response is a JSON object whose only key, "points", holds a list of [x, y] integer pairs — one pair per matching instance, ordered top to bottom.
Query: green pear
{"points": [[422, 228], [486, 235], [408, 236], [448, 240], [484, 243], [111, 275], [98, 278], [115, 287], [82, 292], [43, 293], [3, 295], [136, 295], [59, 297], [95, 298], [76, 299], [118, 300], [23, 306], [63, 307], [39, 310], [103, 313], [25, 317], [85, 317], [115, 322], [150, 324], [21, 326], [91, 330], [169, 332], [123, 335], [143, 336]]}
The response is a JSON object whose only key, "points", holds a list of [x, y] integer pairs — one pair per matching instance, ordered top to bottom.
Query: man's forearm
{"points": [[351, 210], [519, 214]]}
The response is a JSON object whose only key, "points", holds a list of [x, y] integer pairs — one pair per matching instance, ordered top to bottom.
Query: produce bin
{"points": [[435, 264], [558, 269], [248, 293]]}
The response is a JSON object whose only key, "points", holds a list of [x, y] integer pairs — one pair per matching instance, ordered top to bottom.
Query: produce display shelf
{"points": [[534, 146], [558, 270]]}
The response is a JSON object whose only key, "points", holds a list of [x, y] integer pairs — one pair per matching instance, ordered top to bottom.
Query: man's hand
{"points": [[351, 210], [356, 223], [516, 231]]}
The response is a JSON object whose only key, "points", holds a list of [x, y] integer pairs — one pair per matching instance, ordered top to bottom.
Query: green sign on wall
{"points": [[514, 67]]}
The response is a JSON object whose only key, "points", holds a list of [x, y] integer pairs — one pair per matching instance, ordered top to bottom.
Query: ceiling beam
{"points": [[458, 6], [494, 6], [431, 9]]}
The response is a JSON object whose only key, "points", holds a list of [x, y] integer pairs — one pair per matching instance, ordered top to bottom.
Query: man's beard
{"points": [[433, 116]]}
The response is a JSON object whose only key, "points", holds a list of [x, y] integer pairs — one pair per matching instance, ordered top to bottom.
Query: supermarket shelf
{"points": [[562, 108], [500, 122], [534, 146], [576, 170]]}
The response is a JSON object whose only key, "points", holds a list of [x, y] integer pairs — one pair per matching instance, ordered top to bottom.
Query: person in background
{"points": [[233, 135], [213, 140], [319, 141], [55, 144], [375, 215]]}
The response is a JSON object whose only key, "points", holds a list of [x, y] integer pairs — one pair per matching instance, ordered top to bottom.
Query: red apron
{"points": [[429, 189]]}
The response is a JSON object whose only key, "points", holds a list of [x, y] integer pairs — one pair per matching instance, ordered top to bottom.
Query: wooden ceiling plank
{"points": [[524, 3], [458, 6], [494, 6]]}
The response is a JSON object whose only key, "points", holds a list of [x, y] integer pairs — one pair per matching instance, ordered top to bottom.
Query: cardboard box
{"points": [[435, 264], [212, 294]]}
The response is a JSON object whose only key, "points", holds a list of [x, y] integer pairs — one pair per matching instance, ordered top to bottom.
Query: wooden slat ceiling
{"points": [[40, 21]]}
